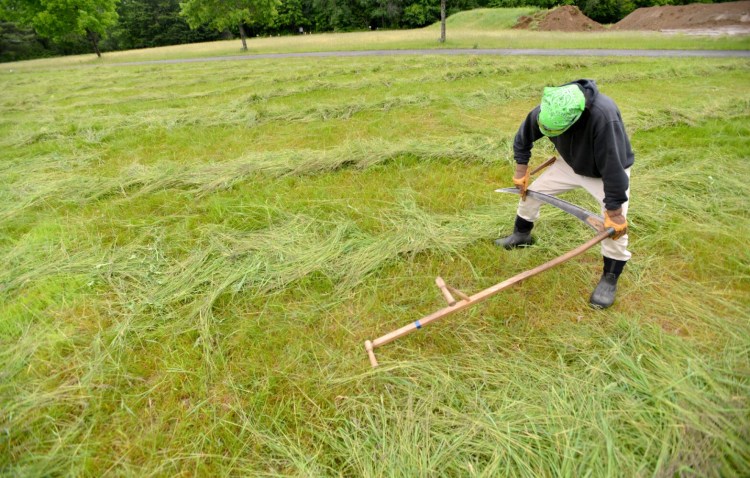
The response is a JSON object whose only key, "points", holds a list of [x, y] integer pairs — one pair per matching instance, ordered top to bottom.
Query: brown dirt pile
{"points": [[686, 17], [567, 18]]}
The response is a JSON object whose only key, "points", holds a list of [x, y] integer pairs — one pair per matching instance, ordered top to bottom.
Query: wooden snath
{"points": [[593, 221]]}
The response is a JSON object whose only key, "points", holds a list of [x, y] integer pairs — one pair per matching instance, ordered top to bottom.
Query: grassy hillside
{"points": [[486, 18], [194, 254]]}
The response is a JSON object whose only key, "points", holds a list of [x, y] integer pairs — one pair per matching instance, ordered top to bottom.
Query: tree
{"points": [[606, 11], [385, 13], [421, 13], [223, 14], [290, 17], [59, 19], [442, 21], [152, 23], [19, 43]]}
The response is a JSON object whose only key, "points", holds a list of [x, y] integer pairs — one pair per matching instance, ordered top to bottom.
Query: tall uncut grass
{"points": [[194, 254]]}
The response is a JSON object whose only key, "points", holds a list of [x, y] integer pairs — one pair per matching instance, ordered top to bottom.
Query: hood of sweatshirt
{"points": [[590, 90]]}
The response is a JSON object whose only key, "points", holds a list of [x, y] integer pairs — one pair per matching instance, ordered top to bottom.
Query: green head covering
{"points": [[561, 107]]}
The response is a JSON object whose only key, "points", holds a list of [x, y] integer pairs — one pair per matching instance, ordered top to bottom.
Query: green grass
{"points": [[486, 18], [193, 256]]}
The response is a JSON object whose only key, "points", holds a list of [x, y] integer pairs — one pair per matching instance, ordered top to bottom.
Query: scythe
{"points": [[592, 220]]}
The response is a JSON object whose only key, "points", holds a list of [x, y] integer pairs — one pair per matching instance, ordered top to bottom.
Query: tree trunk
{"points": [[442, 21], [243, 37], [94, 39]]}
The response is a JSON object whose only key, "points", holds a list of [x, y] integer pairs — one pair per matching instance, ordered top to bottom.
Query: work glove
{"points": [[521, 178], [617, 221]]}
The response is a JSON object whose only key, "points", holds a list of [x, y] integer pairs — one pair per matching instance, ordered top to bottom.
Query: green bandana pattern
{"points": [[561, 107]]}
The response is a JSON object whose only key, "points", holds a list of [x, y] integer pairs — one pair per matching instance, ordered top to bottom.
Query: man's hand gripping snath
{"points": [[522, 175]]}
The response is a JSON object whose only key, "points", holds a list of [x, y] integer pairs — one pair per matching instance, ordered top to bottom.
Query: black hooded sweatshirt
{"points": [[595, 146]]}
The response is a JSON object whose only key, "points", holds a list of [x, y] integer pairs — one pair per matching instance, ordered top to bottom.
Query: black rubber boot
{"points": [[521, 236], [604, 294]]}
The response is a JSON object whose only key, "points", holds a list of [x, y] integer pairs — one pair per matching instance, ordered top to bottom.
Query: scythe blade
{"points": [[592, 220]]}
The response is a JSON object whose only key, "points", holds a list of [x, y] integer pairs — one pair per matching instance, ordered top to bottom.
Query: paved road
{"points": [[466, 51]]}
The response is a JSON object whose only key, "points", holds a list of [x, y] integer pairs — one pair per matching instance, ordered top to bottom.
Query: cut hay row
{"points": [[266, 86], [262, 108], [202, 179], [138, 180], [292, 248], [259, 261]]}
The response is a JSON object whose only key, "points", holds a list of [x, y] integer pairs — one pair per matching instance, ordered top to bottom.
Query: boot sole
{"points": [[514, 246]]}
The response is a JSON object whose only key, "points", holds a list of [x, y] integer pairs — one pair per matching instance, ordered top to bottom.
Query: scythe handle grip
{"points": [[543, 165]]}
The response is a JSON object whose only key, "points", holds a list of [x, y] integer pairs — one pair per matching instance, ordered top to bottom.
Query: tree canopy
{"points": [[223, 14], [59, 19], [152, 23]]}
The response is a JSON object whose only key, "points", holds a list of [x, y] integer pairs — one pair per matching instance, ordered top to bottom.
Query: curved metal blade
{"points": [[592, 220]]}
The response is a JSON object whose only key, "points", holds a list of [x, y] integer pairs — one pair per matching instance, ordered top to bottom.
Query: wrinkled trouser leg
{"points": [[559, 178]]}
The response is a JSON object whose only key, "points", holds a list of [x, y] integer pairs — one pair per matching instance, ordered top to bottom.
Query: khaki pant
{"points": [[559, 178]]}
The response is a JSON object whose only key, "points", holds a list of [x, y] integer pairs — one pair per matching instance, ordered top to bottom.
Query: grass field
{"points": [[193, 256]]}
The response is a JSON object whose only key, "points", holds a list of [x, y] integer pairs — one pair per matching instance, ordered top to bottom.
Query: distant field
{"points": [[481, 28], [194, 254]]}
